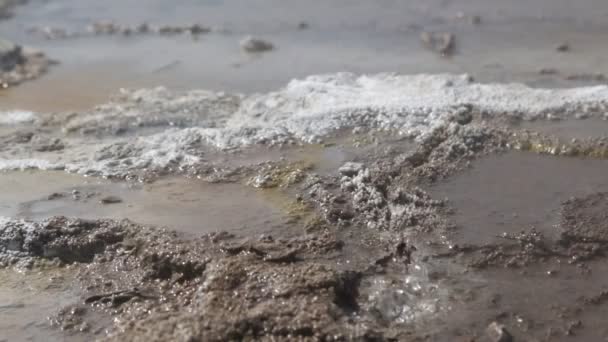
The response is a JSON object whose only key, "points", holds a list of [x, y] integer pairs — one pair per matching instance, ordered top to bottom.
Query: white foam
{"points": [[304, 110], [16, 117], [27, 164]]}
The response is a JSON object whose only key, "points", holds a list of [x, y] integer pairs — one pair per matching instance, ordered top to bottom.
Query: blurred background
{"points": [[104, 45]]}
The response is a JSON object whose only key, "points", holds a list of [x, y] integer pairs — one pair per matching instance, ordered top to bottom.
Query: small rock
{"points": [[471, 19], [303, 25], [102, 27], [143, 28], [199, 29], [170, 30], [126, 31], [446, 43], [255, 45], [563, 47], [10, 55], [548, 71], [599, 77], [350, 169], [55, 196], [110, 200], [337, 214], [498, 333]]}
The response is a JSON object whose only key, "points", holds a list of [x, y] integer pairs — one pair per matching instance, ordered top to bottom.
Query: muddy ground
{"points": [[378, 207], [372, 254]]}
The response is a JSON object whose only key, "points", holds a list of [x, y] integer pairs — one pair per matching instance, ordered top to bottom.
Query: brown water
{"points": [[571, 129], [516, 191], [187, 205], [28, 300]]}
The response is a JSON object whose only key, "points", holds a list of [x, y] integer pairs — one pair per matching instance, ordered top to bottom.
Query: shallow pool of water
{"points": [[516, 191], [29, 299]]}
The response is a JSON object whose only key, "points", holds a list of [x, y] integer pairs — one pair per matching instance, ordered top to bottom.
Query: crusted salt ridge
{"points": [[317, 105], [305, 111]]}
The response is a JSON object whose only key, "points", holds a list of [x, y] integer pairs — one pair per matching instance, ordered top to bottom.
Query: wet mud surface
{"points": [[333, 207], [343, 227], [368, 252]]}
